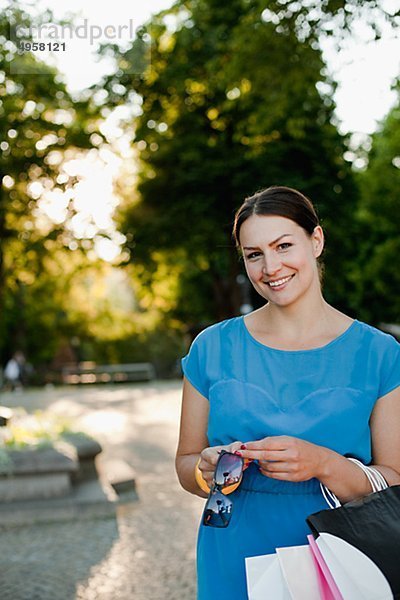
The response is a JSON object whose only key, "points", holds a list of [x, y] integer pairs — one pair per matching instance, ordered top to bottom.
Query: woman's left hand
{"points": [[287, 458]]}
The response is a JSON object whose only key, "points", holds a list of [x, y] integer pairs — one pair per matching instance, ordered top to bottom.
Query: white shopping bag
{"points": [[299, 571], [290, 574], [355, 574], [265, 578]]}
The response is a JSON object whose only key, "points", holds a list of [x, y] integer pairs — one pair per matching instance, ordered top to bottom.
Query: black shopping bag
{"points": [[371, 524]]}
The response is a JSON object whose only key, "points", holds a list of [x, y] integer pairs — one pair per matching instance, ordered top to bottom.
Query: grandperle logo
{"points": [[83, 31]]}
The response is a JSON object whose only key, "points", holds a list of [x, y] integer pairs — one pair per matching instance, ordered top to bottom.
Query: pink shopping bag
{"points": [[328, 588]]}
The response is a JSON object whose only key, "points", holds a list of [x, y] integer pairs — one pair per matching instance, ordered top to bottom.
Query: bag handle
{"points": [[375, 478]]}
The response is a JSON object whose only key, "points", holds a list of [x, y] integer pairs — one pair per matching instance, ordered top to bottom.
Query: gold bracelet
{"points": [[201, 482]]}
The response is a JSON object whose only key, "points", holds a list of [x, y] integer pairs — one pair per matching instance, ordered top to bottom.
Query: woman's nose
{"points": [[271, 266]]}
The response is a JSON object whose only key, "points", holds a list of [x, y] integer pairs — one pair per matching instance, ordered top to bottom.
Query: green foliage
{"points": [[235, 100], [40, 126], [380, 219], [161, 344], [38, 430]]}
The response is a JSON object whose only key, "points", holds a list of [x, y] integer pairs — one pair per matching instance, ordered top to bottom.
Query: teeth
{"points": [[279, 281]]}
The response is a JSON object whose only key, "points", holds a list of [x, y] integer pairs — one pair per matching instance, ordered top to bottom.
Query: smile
{"points": [[279, 282]]}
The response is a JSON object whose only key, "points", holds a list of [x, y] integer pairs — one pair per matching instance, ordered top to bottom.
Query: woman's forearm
{"points": [[185, 466], [346, 480]]}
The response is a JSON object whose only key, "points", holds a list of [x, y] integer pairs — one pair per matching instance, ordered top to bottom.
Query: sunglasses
{"points": [[228, 472]]}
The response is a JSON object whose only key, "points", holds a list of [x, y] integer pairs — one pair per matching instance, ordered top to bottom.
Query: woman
{"points": [[296, 385]]}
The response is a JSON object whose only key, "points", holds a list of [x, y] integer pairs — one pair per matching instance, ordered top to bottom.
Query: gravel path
{"points": [[148, 553]]}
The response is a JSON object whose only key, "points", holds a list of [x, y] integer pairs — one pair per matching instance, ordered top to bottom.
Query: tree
{"points": [[236, 98], [40, 125]]}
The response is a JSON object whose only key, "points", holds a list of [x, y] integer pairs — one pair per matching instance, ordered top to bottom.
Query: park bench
{"points": [[90, 372]]}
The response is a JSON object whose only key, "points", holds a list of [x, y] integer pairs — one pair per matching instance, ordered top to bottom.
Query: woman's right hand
{"points": [[209, 458]]}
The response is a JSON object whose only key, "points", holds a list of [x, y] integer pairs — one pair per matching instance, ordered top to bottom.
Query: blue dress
{"points": [[323, 395]]}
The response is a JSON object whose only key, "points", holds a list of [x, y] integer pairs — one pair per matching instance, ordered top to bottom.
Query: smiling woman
{"points": [[295, 231], [278, 232], [284, 267], [295, 388]]}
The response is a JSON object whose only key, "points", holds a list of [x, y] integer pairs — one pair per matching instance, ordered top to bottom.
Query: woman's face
{"points": [[280, 257]]}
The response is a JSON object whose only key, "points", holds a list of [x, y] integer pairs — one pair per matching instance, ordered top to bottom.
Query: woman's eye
{"points": [[284, 246], [253, 255]]}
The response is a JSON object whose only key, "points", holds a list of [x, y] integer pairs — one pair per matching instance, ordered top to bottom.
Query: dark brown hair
{"points": [[281, 201]]}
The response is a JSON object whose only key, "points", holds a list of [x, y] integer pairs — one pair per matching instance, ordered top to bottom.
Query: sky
{"points": [[364, 71]]}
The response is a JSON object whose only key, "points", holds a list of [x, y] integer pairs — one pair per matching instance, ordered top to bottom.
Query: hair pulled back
{"points": [[280, 201]]}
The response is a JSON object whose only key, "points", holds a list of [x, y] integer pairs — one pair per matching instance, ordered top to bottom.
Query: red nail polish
{"points": [[243, 447], [238, 453]]}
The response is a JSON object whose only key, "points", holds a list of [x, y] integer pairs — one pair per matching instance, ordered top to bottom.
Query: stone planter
{"points": [[86, 450], [37, 474]]}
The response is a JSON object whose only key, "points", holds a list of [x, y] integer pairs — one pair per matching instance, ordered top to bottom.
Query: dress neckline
{"points": [[333, 342]]}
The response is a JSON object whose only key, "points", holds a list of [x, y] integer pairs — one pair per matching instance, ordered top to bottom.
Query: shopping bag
{"points": [[371, 525], [299, 572], [289, 574], [355, 575], [265, 578], [327, 585]]}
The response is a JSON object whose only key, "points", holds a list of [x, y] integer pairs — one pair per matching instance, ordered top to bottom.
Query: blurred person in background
{"points": [[14, 371]]}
